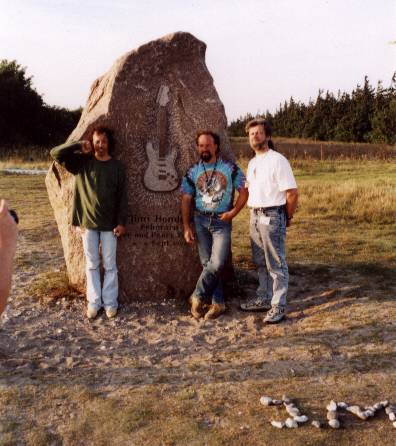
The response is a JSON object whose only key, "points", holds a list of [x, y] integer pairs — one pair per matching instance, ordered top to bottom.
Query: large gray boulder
{"points": [[155, 98]]}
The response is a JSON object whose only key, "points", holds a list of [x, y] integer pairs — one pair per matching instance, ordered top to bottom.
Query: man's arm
{"points": [[70, 155], [243, 195], [291, 204], [188, 232], [8, 239]]}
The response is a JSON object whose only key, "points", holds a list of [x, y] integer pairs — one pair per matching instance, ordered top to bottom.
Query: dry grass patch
{"points": [[50, 286]]}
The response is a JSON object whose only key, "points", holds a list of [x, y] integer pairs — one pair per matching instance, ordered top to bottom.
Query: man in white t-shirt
{"points": [[272, 200]]}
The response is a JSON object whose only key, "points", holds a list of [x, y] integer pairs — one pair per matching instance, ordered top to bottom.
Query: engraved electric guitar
{"points": [[161, 175]]}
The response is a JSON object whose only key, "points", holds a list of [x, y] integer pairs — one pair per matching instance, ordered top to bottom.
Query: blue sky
{"points": [[259, 52]]}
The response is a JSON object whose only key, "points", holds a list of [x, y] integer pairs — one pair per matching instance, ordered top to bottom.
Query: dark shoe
{"points": [[255, 304], [196, 307], [214, 311], [275, 314]]}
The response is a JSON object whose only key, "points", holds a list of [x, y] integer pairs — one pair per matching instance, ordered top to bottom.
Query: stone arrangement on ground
{"points": [[155, 98], [333, 408]]}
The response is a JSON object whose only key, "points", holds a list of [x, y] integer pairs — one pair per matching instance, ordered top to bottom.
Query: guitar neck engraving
{"points": [[161, 175]]}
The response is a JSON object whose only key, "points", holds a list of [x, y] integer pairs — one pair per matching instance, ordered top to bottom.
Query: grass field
{"points": [[345, 218], [338, 342]]}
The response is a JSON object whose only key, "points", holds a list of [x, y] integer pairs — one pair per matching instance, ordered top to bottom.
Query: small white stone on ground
{"points": [[286, 399], [266, 400], [385, 403], [342, 405], [290, 406], [331, 406], [378, 406], [353, 409], [292, 410], [388, 410], [369, 413], [332, 415], [361, 415], [392, 416], [301, 419], [291, 423], [316, 423], [278, 424], [335, 424], [394, 424]]}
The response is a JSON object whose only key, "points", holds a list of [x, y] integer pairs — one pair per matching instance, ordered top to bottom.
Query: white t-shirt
{"points": [[269, 175]]}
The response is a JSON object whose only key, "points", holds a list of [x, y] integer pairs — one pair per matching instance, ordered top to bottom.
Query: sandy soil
{"points": [[161, 341]]}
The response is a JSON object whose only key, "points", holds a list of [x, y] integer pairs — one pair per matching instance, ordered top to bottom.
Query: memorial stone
{"points": [[154, 98]]}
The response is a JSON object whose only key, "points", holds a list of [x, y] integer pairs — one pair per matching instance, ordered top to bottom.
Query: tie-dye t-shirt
{"points": [[213, 190]]}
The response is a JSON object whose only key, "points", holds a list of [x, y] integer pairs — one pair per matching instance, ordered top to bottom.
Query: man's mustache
{"points": [[206, 154]]}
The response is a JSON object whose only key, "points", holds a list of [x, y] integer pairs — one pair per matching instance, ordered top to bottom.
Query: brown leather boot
{"points": [[196, 307], [214, 311]]}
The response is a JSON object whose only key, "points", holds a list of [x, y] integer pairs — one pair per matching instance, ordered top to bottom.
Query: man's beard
{"points": [[260, 145], [206, 156]]}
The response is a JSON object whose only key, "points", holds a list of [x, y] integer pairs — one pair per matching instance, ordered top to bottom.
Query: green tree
{"points": [[20, 104], [362, 109], [364, 115], [24, 117], [383, 121]]}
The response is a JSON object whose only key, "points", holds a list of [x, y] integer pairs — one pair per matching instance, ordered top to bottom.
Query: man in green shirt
{"points": [[100, 209]]}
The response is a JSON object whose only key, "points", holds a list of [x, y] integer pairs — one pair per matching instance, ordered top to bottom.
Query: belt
{"points": [[270, 208], [209, 214]]}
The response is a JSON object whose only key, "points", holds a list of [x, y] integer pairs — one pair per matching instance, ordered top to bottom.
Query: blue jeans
{"points": [[267, 236], [108, 244], [214, 244]]}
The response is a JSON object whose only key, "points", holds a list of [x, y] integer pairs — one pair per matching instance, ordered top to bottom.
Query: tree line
{"points": [[366, 115], [25, 119]]}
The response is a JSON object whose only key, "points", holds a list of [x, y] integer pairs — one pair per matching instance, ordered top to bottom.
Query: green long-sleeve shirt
{"points": [[100, 199]]}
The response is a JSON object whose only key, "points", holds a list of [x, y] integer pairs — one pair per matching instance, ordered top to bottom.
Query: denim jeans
{"points": [[267, 236], [214, 243], [108, 245]]}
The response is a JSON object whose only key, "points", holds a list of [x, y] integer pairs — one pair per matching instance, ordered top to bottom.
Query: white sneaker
{"points": [[255, 304], [91, 312], [111, 312], [275, 314]]}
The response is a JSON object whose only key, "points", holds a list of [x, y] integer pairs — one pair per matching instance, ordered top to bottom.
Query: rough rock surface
{"points": [[155, 98]]}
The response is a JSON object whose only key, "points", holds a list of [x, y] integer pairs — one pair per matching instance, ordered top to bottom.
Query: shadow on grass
{"points": [[361, 278]]}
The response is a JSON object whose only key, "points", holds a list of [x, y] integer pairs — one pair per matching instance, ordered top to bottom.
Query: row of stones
{"points": [[333, 407]]}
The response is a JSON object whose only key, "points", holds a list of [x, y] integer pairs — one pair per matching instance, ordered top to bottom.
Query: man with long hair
{"points": [[272, 200], [99, 209]]}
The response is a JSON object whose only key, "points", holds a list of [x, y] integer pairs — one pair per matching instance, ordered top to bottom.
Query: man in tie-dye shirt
{"points": [[208, 189]]}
